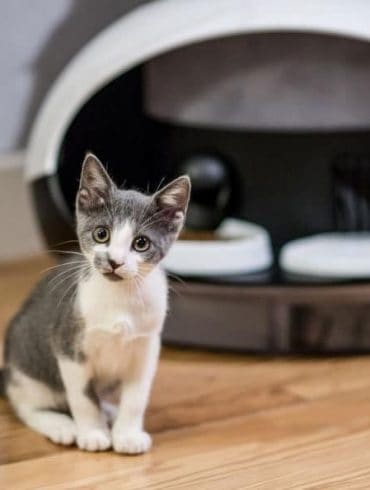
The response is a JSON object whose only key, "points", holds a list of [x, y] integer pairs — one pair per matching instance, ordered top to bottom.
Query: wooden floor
{"points": [[219, 421]]}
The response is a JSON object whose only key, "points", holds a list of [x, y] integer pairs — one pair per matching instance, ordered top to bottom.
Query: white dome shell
{"points": [[164, 25]]}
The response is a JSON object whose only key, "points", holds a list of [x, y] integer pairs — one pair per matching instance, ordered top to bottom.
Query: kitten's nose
{"points": [[114, 264]]}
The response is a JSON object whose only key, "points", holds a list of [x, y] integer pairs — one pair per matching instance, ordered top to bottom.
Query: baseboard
{"points": [[19, 236]]}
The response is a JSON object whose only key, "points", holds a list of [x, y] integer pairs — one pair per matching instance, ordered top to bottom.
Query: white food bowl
{"points": [[242, 248], [329, 255]]}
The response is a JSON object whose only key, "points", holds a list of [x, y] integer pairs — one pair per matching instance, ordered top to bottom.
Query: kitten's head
{"points": [[124, 233]]}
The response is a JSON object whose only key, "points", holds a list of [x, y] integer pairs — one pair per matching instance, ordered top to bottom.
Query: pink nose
{"points": [[114, 264]]}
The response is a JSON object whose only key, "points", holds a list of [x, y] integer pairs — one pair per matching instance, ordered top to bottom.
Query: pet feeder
{"points": [[161, 87]]}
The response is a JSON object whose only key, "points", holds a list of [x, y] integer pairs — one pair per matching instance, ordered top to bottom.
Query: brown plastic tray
{"points": [[271, 319]]}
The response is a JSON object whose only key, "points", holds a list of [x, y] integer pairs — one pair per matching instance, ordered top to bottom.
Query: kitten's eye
{"points": [[101, 234], [141, 243]]}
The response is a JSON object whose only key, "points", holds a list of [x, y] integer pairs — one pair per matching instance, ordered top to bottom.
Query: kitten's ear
{"points": [[95, 184], [173, 199]]}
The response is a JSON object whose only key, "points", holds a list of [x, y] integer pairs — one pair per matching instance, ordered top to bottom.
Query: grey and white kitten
{"points": [[95, 324]]}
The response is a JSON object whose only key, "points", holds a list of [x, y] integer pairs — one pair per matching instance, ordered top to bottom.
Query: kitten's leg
{"points": [[34, 403], [56, 426], [92, 429], [128, 434]]}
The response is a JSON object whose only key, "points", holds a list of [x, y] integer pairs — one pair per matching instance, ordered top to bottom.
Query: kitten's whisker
{"points": [[159, 185], [145, 210], [152, 215], [152, 218], [150, 224], [66, 242], [65, 252], [68, 265], [58, 266], [63, 272], [171, 275], [65, 276], [76, 277], [64, 280], [74, 283], [172, 286], [138, 291], [179, 294]]}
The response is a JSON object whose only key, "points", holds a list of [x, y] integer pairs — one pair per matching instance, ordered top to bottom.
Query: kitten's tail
{"points": [[2, 383]]}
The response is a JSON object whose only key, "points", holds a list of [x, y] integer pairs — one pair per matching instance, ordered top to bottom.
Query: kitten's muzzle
{"points": [[115, 265], [112, 276]]}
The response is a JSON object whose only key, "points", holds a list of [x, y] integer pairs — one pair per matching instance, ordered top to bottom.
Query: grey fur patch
{"points": [[44, 327], [68, 335]]}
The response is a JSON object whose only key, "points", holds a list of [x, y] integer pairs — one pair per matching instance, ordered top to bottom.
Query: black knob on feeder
{"points": [[211, 189]]}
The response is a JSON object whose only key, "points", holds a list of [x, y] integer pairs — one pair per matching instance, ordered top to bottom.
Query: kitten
{"points": [[96, 325]]}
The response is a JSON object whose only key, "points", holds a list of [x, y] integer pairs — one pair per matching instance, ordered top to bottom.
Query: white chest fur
{"points": [[117, 315]]}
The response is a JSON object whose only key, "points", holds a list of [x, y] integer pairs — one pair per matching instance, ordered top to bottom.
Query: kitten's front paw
{"points": [[64, 434], [94, 440], [132, 442]]}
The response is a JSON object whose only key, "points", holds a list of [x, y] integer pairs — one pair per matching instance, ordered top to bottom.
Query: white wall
{"points": [[25, 28], [37, 39], [20, 236]]}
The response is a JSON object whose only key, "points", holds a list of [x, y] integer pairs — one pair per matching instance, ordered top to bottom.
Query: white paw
{"points": [[65, 433], [94, 440], [132, 442]]}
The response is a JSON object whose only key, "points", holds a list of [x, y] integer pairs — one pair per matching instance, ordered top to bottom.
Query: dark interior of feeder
{"points": [[294, 181]]}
